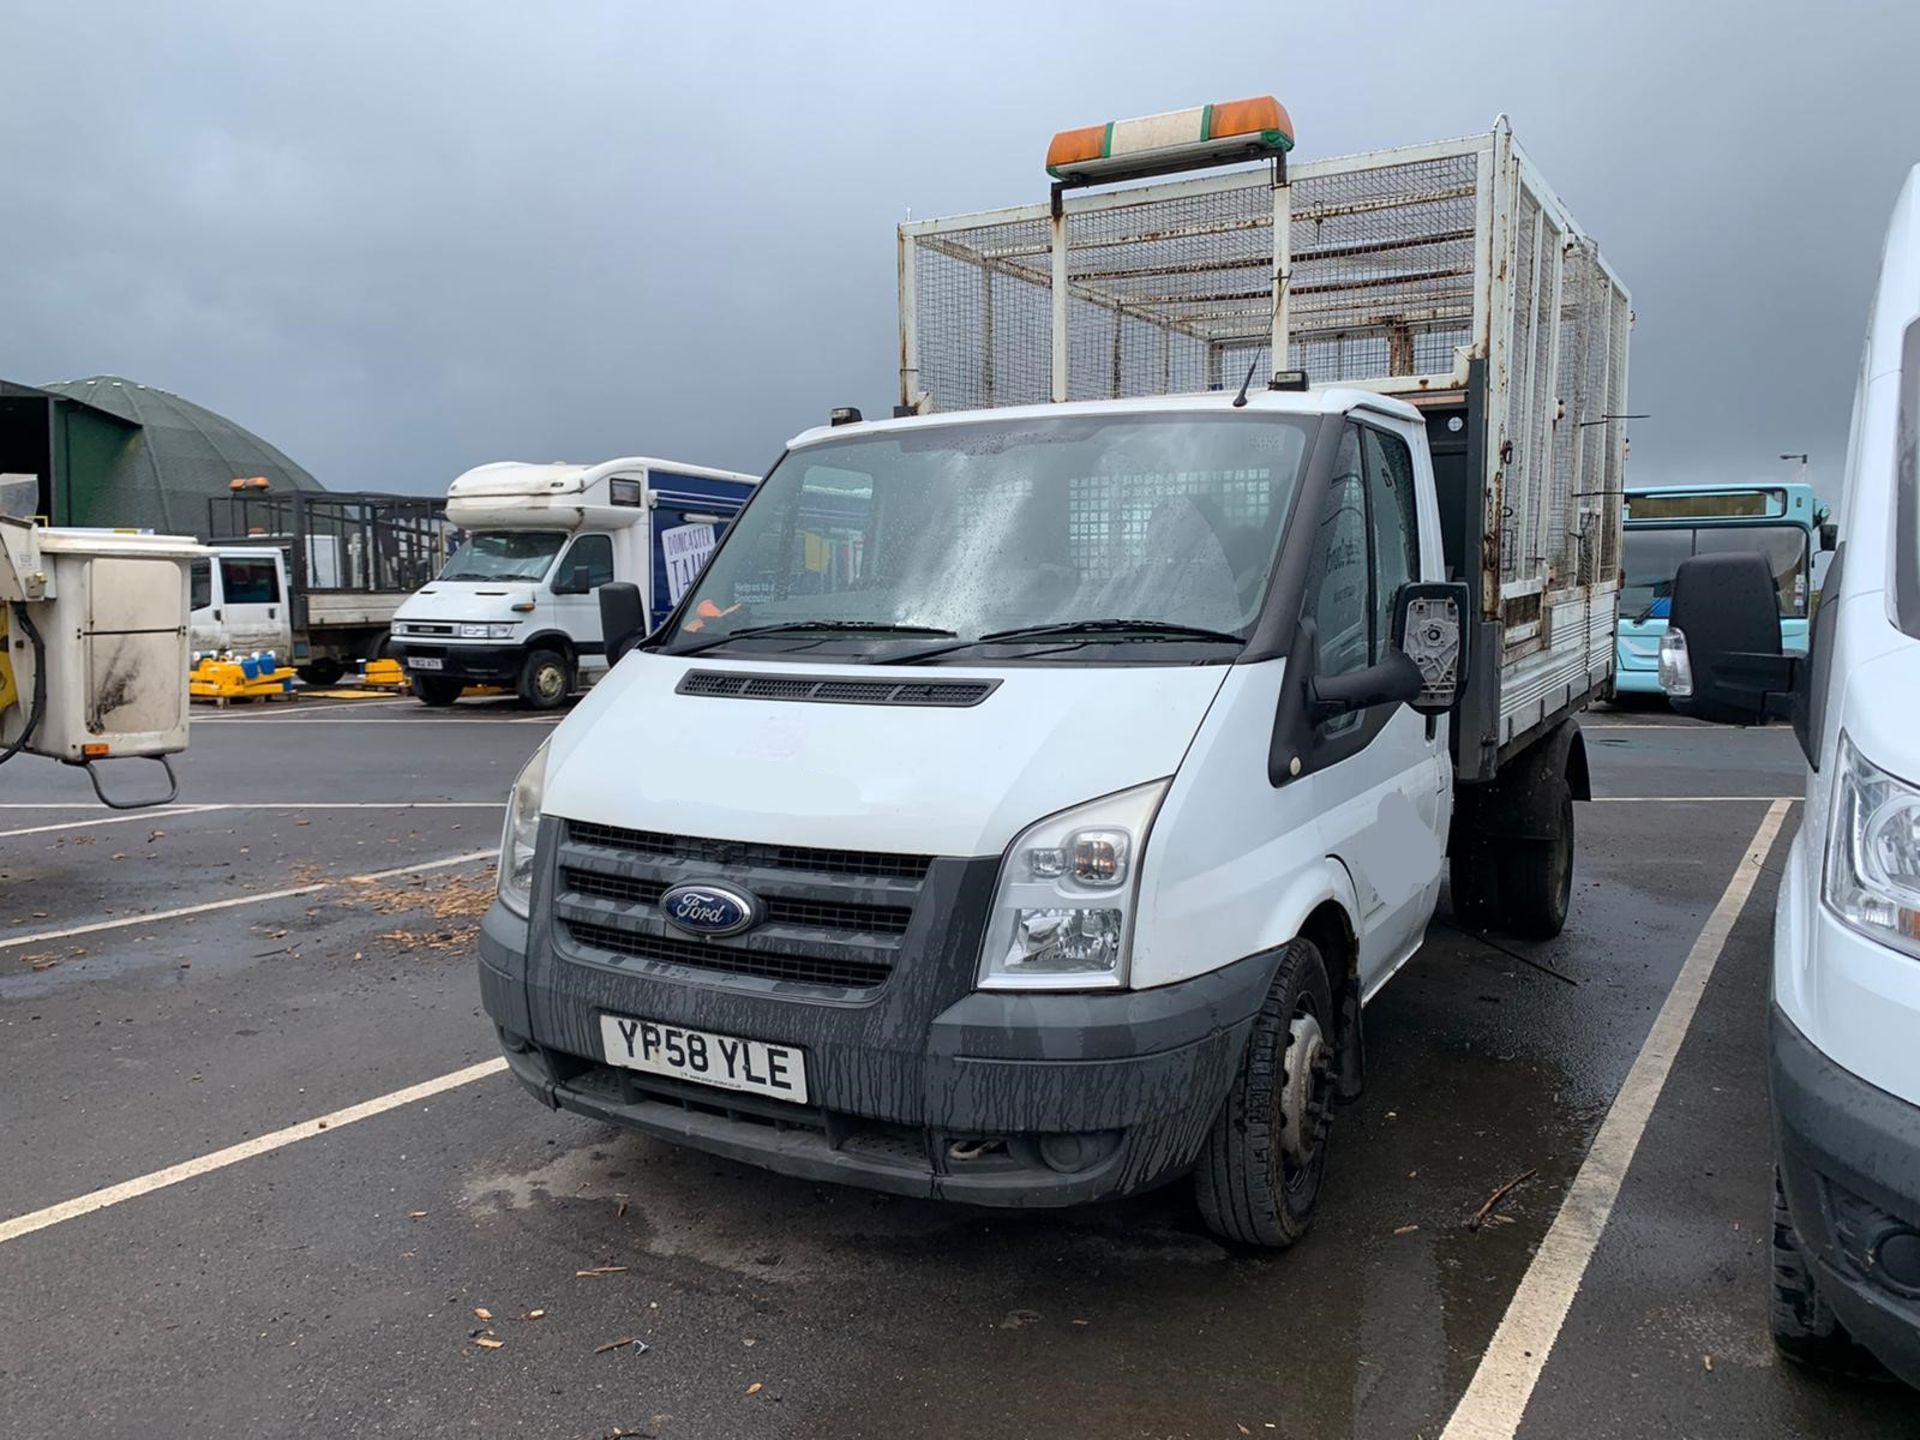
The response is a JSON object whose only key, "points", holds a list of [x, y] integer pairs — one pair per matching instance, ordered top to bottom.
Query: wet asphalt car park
{"points": [[264, 1174]]}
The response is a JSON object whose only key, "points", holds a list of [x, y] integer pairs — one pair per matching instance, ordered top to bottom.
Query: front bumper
{"points": [[489, 664], [901, 1080], [1850, 1164]]}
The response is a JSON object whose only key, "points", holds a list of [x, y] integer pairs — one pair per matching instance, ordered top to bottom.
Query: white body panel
{"points": [[1854, 998]]}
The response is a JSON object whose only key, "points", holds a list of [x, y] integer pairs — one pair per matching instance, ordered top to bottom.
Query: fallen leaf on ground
{"points": [[416, 1214], [1406, 1229], [600, 1270], [481, 1312], [533, 1315], [487, 1342], [620, 1344], [1707, 1360], [755, 1388]]}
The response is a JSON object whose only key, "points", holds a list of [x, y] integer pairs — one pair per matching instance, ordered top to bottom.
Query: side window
{"points": [[1395, 528], [596, 553], [249, 582], [200, 585], [1342, 601]]}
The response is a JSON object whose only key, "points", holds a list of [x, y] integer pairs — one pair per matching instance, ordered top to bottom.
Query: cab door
{"points": [[586, 565], [1380, 776]]}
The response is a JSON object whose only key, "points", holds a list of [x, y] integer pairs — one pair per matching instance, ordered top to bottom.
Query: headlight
{"points": [[492, 630], [1676, 665], [522, 829], [1873, 853], [1063, 912]]}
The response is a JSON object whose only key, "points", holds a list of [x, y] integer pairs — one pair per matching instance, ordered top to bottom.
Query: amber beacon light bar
{"points": [[1194, 139]]}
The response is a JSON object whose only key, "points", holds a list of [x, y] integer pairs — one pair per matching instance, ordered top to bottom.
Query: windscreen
{"points": [[970, 530], [504, 555], [1651, 557]]}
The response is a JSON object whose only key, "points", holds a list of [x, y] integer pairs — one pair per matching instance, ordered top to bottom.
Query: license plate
{"points": [[425, 662], [706, 1058]]}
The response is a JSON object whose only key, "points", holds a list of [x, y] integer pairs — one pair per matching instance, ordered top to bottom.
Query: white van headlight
{"points": [[1676, 666], [522, 830], [1873, 853], [1063, 911]]}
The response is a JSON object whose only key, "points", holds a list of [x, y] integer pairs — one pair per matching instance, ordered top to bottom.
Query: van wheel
{"points": [[321, 673], [545, 680], [436, 690], [1536, 877], [1258, 1180], [1805, 1329]]}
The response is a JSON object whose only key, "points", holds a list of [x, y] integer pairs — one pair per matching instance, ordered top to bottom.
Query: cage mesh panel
{"points": [[1383, 269], [984, 311], [1521, 477], [1616, 479]]}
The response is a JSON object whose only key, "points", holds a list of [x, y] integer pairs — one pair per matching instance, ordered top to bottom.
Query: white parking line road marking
{"points": [[1694, 799], [269, 805], [109, 820], [472, 855], [155, 917], [13, 942], [246, 1150], [1497, 1397]]}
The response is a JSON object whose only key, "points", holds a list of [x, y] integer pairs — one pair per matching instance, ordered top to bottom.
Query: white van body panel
{"points": [[224, 625], [911, 780], [1855, 999]]}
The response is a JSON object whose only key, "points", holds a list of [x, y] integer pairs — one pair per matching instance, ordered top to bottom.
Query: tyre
{"points": [[322, 672], [546, 679], [436, 690], [1536, 877], [1473, 879], [1258, 1179], [1805, 1329]]}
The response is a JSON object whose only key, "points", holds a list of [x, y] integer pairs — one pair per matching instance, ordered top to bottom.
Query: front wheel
{"points": [[545, 680], [436, 690], [1258, 1180], [1805, 1329]]}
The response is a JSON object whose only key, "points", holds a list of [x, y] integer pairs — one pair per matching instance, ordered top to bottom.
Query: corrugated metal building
{"points": [[112, 452]]}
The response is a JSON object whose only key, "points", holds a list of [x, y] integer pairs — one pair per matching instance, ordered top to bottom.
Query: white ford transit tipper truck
{"points": [[516, 604], [1052, 785], [1846, 932]]}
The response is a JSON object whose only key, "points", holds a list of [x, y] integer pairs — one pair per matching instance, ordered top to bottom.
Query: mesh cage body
{"points": [[1400, 267]]}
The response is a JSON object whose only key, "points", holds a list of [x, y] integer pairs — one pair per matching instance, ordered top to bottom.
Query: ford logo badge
{"points": [[710, 911]]}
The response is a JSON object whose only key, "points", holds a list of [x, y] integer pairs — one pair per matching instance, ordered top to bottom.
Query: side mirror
{"points": [[1829, 534], [577, 581], [623, 619], [1430, 629], [1720, 659], [1394, 680]]}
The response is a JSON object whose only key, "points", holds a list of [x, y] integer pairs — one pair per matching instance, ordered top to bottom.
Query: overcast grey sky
{"points": [[400, 239]]}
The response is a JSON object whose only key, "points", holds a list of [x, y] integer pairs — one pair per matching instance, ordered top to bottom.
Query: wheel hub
{"points": [[1300, 1097]]}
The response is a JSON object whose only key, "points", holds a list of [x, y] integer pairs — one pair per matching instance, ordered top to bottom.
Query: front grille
{"points": [[820, 689], [729, 853], [824, 914], [836, 919], [707, 955]]}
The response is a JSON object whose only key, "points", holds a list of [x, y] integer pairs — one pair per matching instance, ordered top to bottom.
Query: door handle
{"points": [[216, 614]]}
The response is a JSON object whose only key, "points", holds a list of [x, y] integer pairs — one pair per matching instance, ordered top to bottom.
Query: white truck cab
{"points": [[238, 601], [516, 603], [1054, 781], [1846, 960]]}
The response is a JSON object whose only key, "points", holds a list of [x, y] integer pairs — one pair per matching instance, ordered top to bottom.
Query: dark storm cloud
{"points": [[401, 240]]}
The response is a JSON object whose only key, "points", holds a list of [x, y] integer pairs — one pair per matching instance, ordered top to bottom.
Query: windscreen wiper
{"points": [[809, 627], [1114, 629]]}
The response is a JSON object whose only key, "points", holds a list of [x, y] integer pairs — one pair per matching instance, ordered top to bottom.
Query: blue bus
{"points": [[1671, 523]]}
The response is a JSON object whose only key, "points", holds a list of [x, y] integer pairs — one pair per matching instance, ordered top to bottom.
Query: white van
{"points": [[515, 604], [1845, 1035]]}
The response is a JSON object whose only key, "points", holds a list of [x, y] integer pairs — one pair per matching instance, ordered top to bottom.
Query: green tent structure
{"points": [[111, 452]]}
